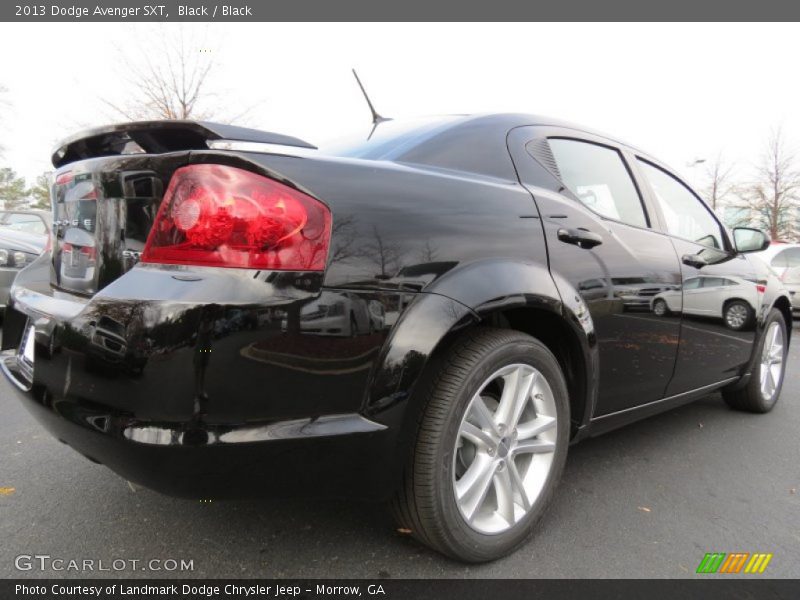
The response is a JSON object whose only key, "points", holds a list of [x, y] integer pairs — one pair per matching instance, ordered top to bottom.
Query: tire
{"points": [[660, 308], [738, 315], [755, 396], [426, 503]]}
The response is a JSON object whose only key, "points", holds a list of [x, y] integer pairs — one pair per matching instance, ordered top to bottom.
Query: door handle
{"points": [[583, 238], [694, 260]]}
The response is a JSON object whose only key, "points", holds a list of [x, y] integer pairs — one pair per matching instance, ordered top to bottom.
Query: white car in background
{"points": [[780, 257], [791, 279], [732, 299]]}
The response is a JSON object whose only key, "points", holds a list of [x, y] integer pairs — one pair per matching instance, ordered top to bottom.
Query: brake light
{"points": [[64, 178], [220, 216], [88, 251], [761, 288]]}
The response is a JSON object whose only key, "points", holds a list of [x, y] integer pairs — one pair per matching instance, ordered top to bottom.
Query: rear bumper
{"points": [[198, 399], [323, 455]]}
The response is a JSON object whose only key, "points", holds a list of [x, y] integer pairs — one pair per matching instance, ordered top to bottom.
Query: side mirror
{"points": [[747, 239], [694, 260]]}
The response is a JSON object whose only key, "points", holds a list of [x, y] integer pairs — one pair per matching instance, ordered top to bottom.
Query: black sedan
{"points": [[428, 315]]}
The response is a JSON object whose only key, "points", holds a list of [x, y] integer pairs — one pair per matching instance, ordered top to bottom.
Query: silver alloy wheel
{"points": [[660, 308], [736, 316], [771, 360], [504, 449]]}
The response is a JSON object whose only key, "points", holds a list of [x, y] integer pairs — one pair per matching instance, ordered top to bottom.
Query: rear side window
{"points": [[597, 175], [686, 216], [710, 282]]}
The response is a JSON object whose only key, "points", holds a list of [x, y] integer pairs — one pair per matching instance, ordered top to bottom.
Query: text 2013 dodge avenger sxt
{"points": [[428, 316]]}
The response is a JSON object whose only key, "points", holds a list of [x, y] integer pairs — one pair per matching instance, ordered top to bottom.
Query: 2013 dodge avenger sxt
{"points": [[427, 316]]}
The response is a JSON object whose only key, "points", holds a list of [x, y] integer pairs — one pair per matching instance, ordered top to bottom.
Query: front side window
{"points": [[597, 175], [686, 216], [712, 282]]}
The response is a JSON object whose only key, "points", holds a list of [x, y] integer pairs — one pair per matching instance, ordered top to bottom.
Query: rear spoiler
{"points": [[156, 137]]}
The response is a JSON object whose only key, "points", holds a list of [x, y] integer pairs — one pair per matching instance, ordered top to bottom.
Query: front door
{"points": [[720, 288]]}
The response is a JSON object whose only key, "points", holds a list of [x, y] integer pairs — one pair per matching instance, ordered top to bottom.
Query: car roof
{"points": [[474, 143], [775, 248]]}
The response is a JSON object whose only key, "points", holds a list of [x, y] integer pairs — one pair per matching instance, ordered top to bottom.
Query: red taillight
{"points": [[64, 178], [220, 216], [88, 251], [761, 288]]}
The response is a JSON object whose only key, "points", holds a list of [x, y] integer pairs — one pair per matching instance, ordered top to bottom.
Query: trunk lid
{"points": [[109, 185]]}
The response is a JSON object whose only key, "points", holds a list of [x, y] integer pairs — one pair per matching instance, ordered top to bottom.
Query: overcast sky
{"points": [[678, 91]]}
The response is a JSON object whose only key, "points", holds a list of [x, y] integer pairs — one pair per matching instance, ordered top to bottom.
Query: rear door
{"points": [[583, 188], [710, 350]]}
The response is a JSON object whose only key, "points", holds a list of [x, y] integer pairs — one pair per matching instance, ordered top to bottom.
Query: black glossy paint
{"points": [[228, 381]]}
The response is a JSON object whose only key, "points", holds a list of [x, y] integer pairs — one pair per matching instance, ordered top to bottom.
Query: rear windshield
{"points": [[389, 139]]}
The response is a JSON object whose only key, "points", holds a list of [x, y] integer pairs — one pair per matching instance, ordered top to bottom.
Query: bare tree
{"points": [[168, 78], [720, 181], [775, 194], [344, 236], [428, 253], [383, 254]]}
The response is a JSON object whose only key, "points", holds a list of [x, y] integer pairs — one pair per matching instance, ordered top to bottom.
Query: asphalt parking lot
{"points": [[648, 500]]}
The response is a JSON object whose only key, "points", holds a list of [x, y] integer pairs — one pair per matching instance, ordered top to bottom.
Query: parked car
{"points": [[35, 222], [17, 250], [781, 256], [791, 279], [636, 293], [733, 299], [336, 314], [461, 410]]}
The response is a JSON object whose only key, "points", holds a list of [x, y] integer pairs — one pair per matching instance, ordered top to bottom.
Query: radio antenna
{"points": [[376, 118]]}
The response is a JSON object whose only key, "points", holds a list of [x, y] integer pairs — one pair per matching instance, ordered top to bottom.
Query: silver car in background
{"points": [[34, 222]]}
